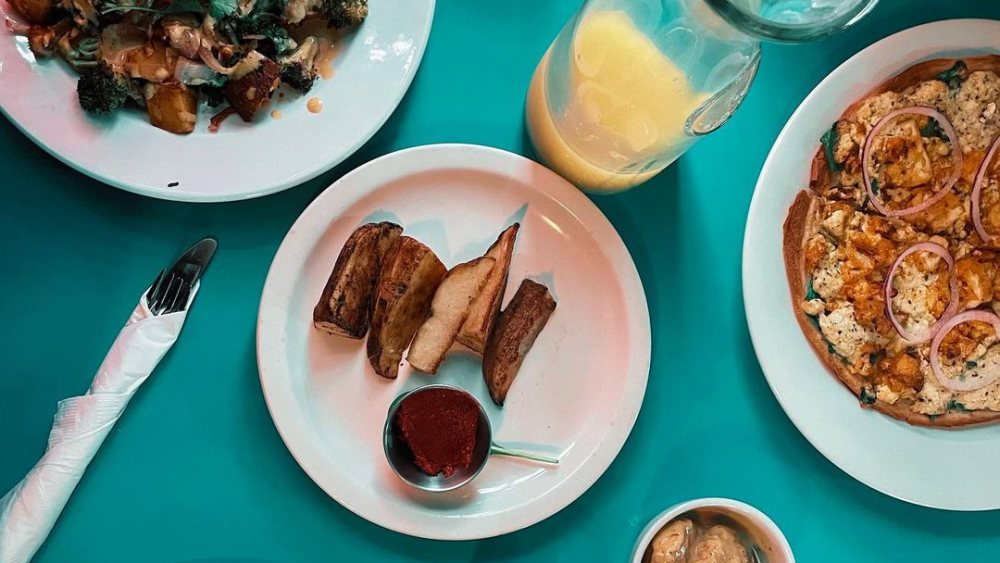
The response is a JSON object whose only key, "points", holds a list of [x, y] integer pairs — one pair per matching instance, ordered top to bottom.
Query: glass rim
{"points": [[763, 28]]}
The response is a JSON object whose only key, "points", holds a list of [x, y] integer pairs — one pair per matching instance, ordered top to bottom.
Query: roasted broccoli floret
{"points": [[344, 13], [262, 27], [298, 69], [298, 77], [101, 89]]}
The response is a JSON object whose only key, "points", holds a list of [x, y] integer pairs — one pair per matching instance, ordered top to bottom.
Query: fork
{"points": [[168, 294]]}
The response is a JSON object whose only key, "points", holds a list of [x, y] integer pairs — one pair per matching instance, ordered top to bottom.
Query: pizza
{"points": [[893, 253]]}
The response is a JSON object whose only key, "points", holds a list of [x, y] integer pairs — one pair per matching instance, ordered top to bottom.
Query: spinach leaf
{"points": [[219, 9], [955, 75], [933, 129], [829, 140], [874, 184], [810, 292], [832, 350], [873, 358], [971, 365], [868, 395], [955, 405]]}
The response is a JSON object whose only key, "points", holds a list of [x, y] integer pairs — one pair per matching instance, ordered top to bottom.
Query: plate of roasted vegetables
{"points": [[206, 100], [469, 267]]}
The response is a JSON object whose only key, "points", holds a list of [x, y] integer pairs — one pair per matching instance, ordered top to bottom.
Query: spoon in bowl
{"points": [[400, 457]]}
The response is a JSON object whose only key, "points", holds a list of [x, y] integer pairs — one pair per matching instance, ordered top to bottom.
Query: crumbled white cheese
{"points": [[933, 93], [875, 108], [975, 124], [850, 137], [835, 224], [827, 279], [910, 304], [813, 308], [842, 331], [886, 395], [932, 398]]}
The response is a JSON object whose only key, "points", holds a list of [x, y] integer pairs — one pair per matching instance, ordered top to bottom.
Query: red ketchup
{"points": [[439, 426]]}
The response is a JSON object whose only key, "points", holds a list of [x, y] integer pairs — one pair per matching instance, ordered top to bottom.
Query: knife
{"points": [[30, 510]]}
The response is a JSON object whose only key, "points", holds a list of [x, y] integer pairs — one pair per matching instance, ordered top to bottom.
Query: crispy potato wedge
{"points": [[249, 93], [172, 107], [409, 277], [345, 306], [449, 310], [484, 310], [515, 333]]}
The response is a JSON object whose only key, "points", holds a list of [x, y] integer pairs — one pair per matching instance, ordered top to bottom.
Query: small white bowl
{"points": [[765, 533]]}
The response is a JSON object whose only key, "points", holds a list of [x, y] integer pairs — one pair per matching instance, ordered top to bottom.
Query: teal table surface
{"points": [[195, 471]]}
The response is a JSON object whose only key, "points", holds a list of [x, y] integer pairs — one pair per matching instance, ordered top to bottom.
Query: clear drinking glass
{"points": [[629, 85]]}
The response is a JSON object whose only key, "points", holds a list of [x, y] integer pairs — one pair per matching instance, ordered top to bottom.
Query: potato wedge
{"points": [[172, 107], [410, 275], [345, 306], [449, 310], [483, 312], [515, 333]]}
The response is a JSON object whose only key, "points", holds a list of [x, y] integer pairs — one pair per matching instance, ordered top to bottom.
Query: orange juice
{"points": [[622, 121]]}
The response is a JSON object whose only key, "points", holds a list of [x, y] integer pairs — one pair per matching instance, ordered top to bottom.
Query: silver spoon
{"points": [[401, 459]]}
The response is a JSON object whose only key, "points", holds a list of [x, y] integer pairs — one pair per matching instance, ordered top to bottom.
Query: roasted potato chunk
{"points": [[153, 62], [250, 92], [172, 107], [409, 277], [345, 307], [484, 309], [449, 310], [515, 333]]}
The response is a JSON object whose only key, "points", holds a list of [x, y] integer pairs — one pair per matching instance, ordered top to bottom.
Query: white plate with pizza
{"points": [[870, 265], [575, 397]]}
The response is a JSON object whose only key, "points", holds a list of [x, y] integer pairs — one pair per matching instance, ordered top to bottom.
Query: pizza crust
{"points": [[802, 222]]}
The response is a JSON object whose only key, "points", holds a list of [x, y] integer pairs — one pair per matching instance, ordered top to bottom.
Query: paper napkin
{"points": [[80, 425]]}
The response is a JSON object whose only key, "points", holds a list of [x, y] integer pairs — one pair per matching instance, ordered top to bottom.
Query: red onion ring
{"points": [[956, 153], [977, 192], [941, 251], [956, 384]]}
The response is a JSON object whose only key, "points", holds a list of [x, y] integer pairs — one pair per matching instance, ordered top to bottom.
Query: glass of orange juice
{"points": [[629, 85]]}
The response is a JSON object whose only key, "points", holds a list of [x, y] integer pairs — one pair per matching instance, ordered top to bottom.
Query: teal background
{"points": [[195, 470]]}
